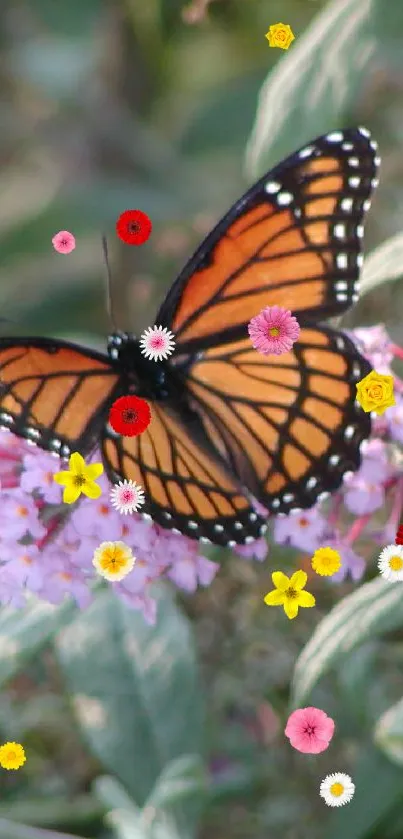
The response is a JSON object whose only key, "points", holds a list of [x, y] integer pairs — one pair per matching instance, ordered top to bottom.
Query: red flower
{"points": [[133, 227], [129, 416], [399, 536]]}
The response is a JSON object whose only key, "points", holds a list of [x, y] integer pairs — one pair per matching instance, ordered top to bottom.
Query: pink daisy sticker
{"points": [[64, 242], [273, 330], [157, 343], [127, 497], [309, 730]]}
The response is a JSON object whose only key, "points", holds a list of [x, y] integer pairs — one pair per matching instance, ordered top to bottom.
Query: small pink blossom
{"points": [[64, 242], [273, 330], [157, 343], [127, 496], [309, 730]]}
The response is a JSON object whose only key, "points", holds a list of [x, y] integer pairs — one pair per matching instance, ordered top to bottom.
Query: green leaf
{"points": [[317, 82], [383, 264], [373, 609], [25, 632], [135, 688], [389, 733], [181, 779], [378, 788], [179, 792], [126, 819]]}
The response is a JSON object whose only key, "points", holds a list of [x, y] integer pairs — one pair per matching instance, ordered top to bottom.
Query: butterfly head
{"points": [[117, 342], [149, 377]]}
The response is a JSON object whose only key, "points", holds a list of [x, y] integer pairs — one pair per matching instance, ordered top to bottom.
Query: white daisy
{"points": [[157, 343], [127, 496], [390, 563], [337, 789]]}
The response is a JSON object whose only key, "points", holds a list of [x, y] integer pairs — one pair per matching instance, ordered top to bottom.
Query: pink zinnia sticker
{"points": [[63, 242], [273, 330], [309, 730]]}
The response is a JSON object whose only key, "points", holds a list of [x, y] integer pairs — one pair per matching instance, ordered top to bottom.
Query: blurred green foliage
{"points": [[113, 104]]}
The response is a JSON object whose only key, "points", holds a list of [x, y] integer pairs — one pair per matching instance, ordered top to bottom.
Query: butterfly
{"points": [[229, 426]]}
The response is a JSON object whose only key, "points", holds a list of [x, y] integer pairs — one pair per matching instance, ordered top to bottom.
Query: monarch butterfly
{"points": [[227, 422]]}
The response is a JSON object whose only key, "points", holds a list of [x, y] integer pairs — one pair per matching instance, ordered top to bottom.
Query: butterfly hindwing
{"points": [[293, 240], [288, 425], [187, 488]]}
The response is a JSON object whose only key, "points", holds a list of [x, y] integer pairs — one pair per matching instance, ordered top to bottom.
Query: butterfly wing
{"points": [[293, 240], [54, 393], [287, 425], [187, 487]]}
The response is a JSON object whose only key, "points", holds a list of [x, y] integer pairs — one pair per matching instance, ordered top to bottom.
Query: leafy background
{"points": [[175, 732]]}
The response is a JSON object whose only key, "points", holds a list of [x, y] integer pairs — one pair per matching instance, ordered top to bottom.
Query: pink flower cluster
{"points": [[40, 555], [36, 558]]}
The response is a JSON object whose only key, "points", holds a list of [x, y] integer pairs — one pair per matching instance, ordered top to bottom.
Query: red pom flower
{"points": [[134, 227], [129, 416], [399, 536]]}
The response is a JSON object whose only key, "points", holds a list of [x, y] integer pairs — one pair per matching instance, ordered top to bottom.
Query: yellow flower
{"points": [[280, 35], [375, 392], [79, 478], [113, 560], [326, 561], [288, 593], [12, 756]]}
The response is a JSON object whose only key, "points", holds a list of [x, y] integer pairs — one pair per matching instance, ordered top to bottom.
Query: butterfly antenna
{"points": [[109, 303]]}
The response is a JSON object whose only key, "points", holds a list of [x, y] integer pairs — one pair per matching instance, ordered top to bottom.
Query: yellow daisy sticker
{"points": [[79, 478], [288, 593], [12, 756]]}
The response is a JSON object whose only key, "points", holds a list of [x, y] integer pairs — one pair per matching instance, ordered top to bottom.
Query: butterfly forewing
{"points": [[293, 240]]}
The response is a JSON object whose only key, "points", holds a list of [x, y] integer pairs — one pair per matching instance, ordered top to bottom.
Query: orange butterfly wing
{"points": [[293, 240], [54, 393], [288, 425], [187, 487]]}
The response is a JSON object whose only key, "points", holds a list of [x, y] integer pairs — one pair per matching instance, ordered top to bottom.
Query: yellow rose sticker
{"points": [[280, 35], [375, 392]]}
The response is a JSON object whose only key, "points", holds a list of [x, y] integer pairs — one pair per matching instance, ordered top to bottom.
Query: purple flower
{"points": [[374, 343], [394, 419], [39, 469], [365, 491], [19, 515], [302, 530], [257, 549], [24, 564], [352, 564], [189, 568], [11, 591]]}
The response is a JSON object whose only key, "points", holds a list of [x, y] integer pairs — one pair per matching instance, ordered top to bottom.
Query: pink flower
{"points": [[64, 242], [273, 330], [309, 730]]}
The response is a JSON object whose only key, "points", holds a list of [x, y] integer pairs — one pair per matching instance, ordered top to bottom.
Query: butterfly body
{"points": [[228, 425]]}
